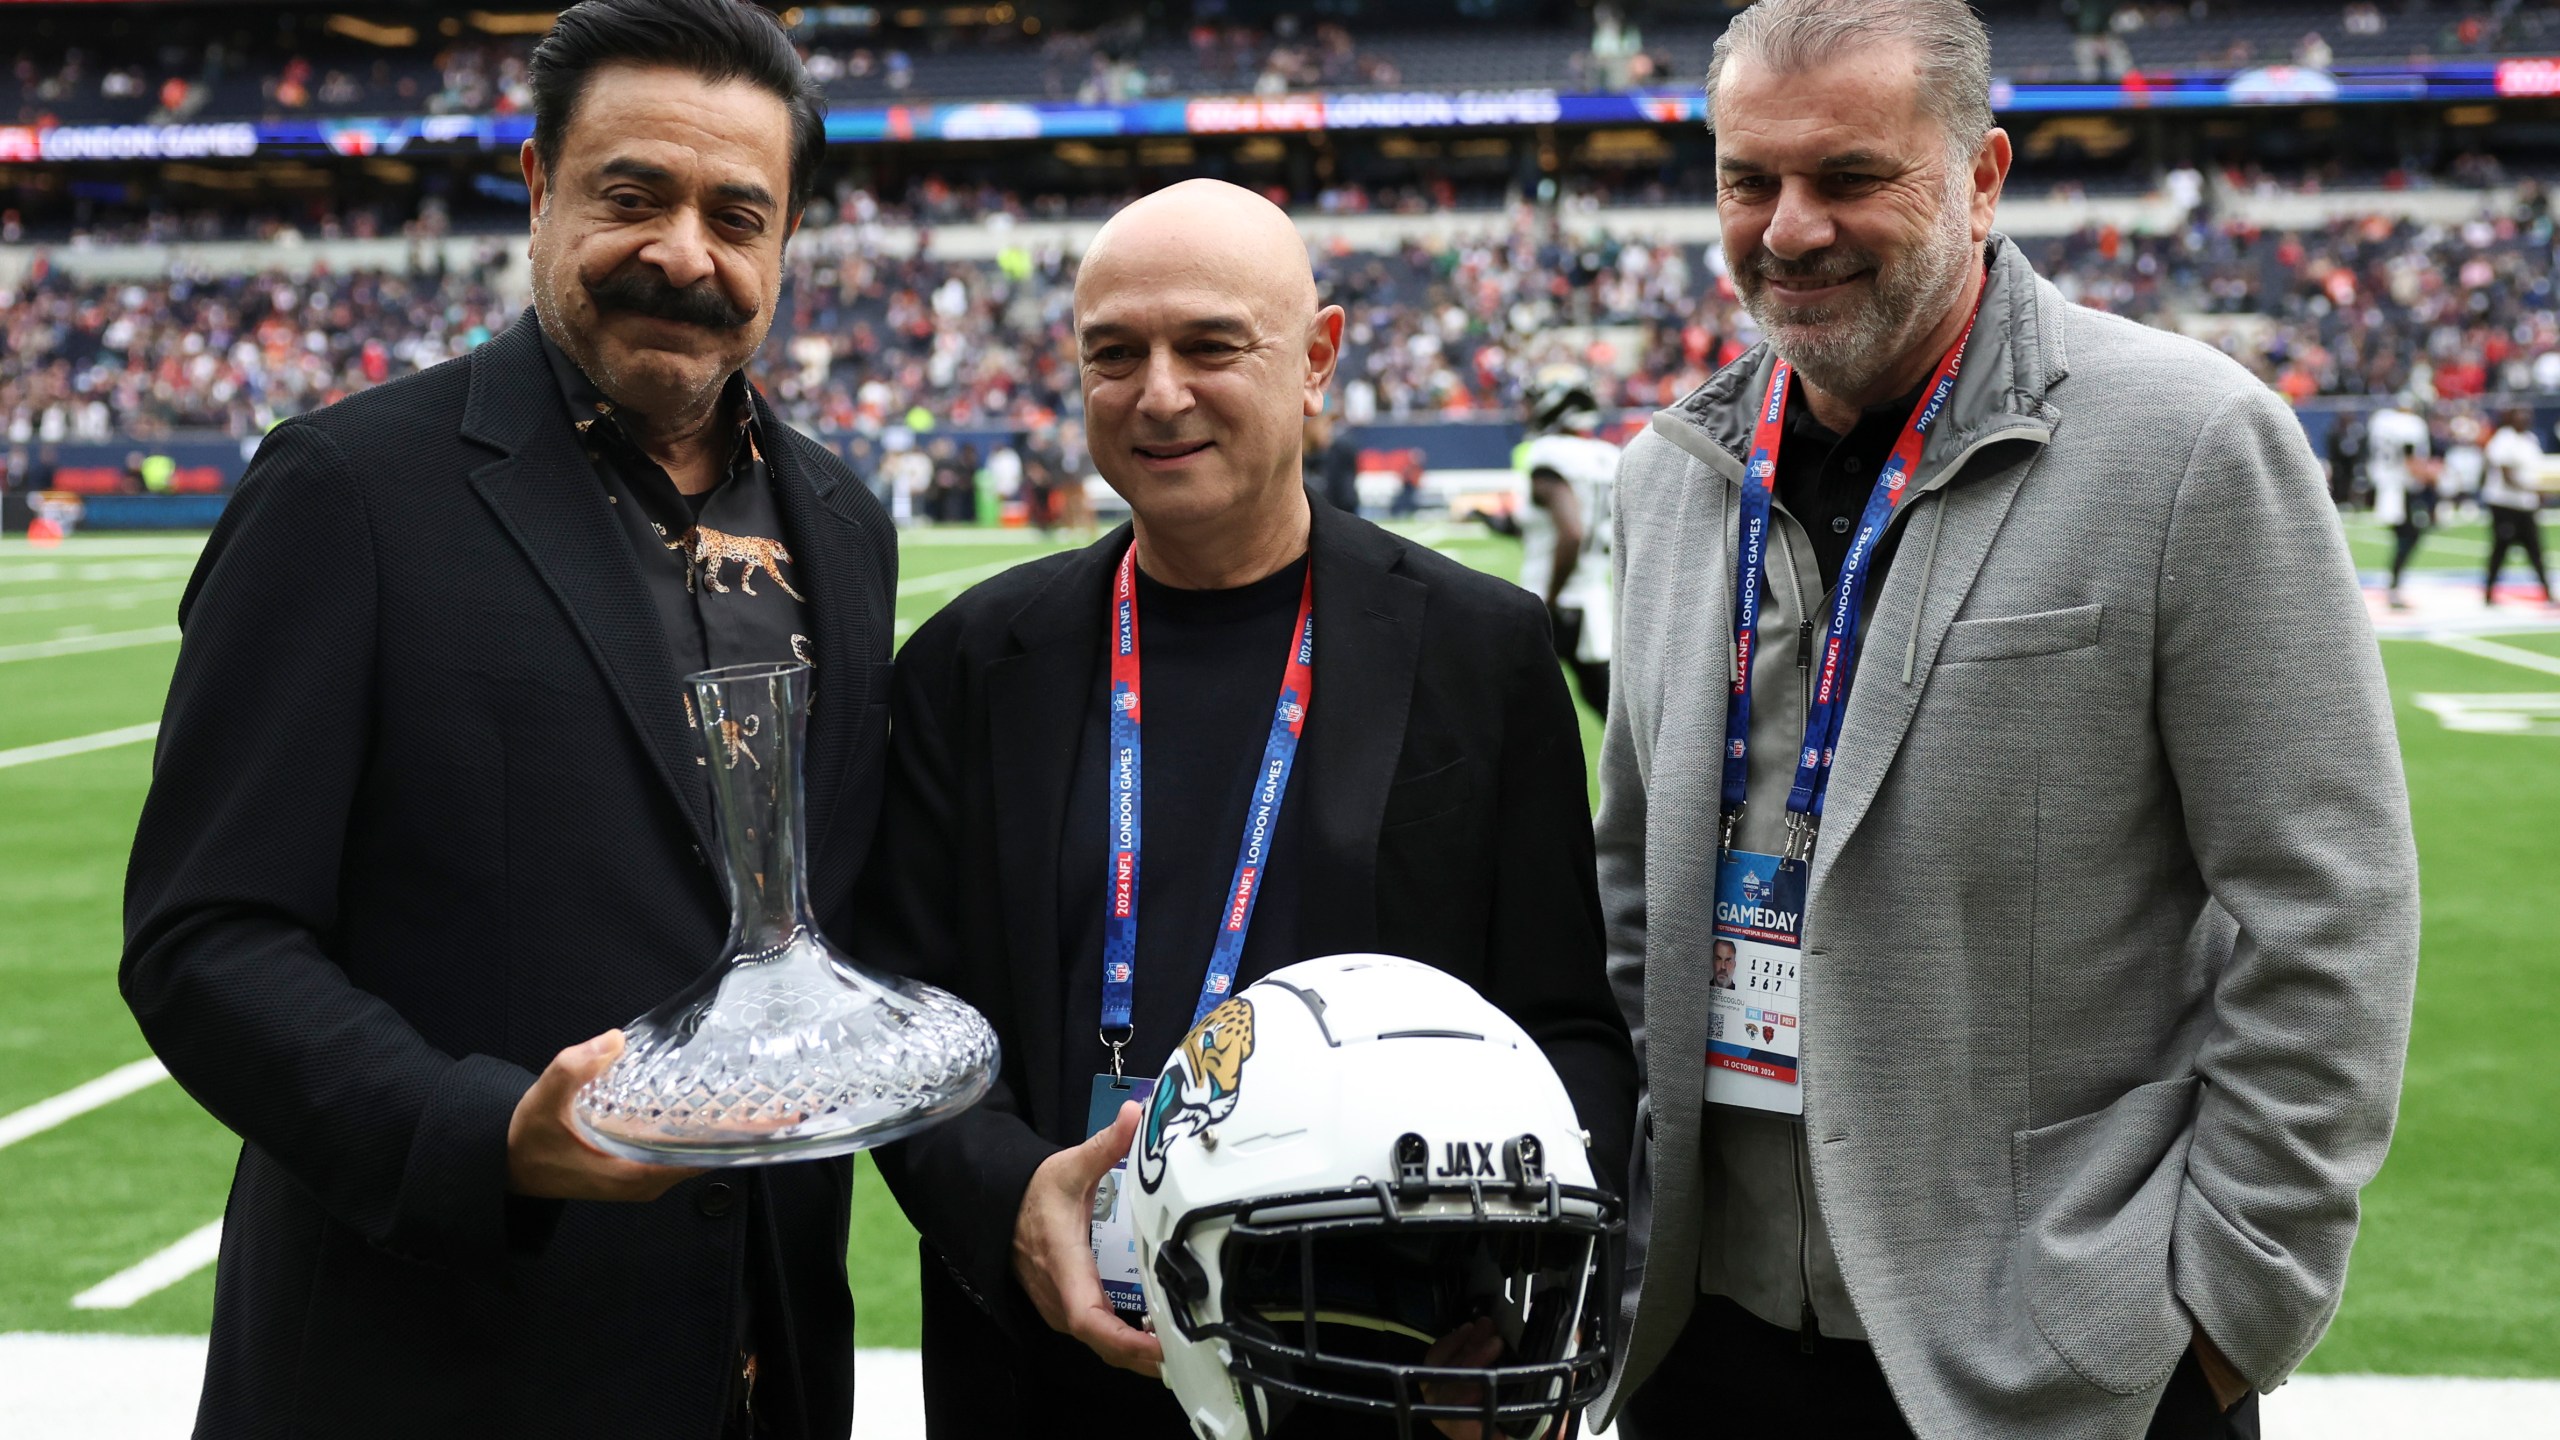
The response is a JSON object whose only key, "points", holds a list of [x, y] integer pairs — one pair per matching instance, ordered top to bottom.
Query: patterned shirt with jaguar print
{"points": [[715, 565]]}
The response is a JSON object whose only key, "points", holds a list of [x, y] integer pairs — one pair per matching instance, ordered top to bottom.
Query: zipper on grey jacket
{"points": [[1808, 1324]]}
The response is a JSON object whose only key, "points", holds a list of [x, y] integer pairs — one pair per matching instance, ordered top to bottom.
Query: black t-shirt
{"points": [[1212, 664]]}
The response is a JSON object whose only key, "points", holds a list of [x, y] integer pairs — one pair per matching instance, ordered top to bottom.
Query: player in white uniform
{"points": [[2404, 481], [2511, 490], [1564, 530]]}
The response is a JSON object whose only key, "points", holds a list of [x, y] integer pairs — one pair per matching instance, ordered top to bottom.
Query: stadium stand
{"points": [[272, 61], [1440, 328]]}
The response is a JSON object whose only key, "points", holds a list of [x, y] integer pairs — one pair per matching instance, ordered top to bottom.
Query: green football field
{"points": [[2457, 1273]]}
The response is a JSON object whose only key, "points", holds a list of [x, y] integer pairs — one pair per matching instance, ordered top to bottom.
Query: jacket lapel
{"points": [[2000, 408], [546, 497], [1947, 529], [827, 545], [1368, 648], [1036, 722]]}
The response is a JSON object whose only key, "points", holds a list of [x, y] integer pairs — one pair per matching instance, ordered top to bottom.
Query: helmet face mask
{"points": [[1562, 403], [1330, 1250]]}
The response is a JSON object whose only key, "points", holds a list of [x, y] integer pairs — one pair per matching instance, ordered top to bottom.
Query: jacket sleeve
{"points": [[2277, 726], [231, 899], [1548, 960], [961, 1183]]}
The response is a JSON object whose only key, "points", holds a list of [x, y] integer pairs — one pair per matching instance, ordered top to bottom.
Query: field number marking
{"points": [[2497, 714]]}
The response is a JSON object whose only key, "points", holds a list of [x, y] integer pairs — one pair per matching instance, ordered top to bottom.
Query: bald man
{"points": [[1434, 804]]}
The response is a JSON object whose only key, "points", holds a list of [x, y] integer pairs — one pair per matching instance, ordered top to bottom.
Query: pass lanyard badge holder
{"points": [[1754, 1011], [1115, 1247]]}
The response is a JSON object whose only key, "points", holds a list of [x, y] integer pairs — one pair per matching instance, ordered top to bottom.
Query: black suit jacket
{"points": [[425, 810], [1447, 819]]}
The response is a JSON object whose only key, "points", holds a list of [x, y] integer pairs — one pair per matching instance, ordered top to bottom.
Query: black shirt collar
{"points": [[593, 414], [1885, 418]]}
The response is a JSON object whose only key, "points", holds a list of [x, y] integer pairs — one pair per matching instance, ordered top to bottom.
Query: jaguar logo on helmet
{"points": [[1201, 1086]]}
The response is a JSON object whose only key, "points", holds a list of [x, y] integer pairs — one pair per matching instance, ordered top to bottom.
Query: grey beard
{"points": [[1848, 354]]}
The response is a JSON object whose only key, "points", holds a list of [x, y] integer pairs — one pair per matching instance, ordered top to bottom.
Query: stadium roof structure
{"points": [[2439, 81]]}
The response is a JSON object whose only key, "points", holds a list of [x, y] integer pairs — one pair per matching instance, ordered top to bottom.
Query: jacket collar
{"points": [[2016, 359], [543, 490]]}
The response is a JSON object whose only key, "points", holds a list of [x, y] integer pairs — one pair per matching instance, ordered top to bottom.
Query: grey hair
{"points": [[1954, 50]]}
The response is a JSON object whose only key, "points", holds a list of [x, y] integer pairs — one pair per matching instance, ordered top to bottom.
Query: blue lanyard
{"points": [[1839, 653], [1262, 818]]}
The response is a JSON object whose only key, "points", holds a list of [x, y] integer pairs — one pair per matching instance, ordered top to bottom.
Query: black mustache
{"points": [[644, 292]]}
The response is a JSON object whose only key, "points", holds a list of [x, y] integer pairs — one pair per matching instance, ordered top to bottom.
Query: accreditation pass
{"points": [[1753, 1014]]}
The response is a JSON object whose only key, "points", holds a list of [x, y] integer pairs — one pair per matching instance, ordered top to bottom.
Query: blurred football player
{"points": [[2404, 481], [2511, 490], [1564, 532]]}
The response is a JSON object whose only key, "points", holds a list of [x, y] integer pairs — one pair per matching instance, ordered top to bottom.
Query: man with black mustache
{"points": [[1240, 731], [430, 812]]}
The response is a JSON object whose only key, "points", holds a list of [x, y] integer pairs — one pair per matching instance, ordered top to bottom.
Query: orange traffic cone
{"points": [[43, 532]]}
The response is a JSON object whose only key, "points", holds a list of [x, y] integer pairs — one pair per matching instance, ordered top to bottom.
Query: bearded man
{"points": [[1998, 670]]}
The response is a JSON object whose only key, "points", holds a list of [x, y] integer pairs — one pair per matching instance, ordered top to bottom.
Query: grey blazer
{"points": [[2113, 926]]}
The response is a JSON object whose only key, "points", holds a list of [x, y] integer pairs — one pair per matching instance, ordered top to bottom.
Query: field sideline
{"points": [[110, 1178]]}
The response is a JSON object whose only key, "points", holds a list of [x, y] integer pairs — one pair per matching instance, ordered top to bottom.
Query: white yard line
{"points": [[41, 572], [942, 580], [85, 599], [85, 644], [2473, 645], [78, 745], [79, 1100], [154, 1274], [137, 1387], [144, 1387]]}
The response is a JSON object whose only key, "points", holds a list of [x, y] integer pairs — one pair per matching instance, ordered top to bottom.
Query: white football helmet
{"points": [[1346, 1162]]}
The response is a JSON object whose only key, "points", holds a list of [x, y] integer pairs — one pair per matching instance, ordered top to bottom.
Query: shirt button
{"points": [[1839, 524], [714, 1199]]}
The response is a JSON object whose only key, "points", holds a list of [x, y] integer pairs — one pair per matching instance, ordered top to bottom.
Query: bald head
{"points": [[1204, 232], [1201, 347]]}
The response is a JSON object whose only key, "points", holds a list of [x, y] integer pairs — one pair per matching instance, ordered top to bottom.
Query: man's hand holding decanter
{"points": [[547, 1158]]}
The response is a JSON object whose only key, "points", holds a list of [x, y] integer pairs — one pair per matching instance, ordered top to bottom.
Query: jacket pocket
{"points": [[2010, 637], [1431, 795], [2096, 1198]]}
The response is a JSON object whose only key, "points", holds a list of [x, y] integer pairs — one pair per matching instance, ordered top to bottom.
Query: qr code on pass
{"points": [[1715, 1025]]}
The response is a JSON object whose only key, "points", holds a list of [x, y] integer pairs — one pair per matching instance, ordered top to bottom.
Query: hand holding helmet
{"points": [[1053, 1249]]}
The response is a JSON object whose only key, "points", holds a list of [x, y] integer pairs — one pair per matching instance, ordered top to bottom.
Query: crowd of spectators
{"points": [[169, 81], [2364, 307], [877, 344], [99, 360]]}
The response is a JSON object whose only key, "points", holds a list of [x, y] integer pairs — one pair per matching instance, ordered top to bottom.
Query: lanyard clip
{"points": [[1732, 823], [1801, 828], [1127, 1032]]}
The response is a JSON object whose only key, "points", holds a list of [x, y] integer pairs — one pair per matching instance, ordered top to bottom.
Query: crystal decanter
{"points": [[787, 1049]]}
